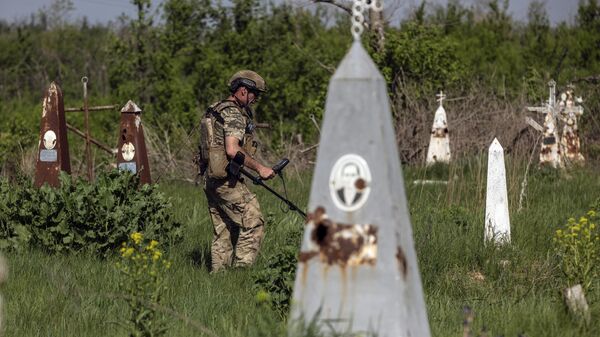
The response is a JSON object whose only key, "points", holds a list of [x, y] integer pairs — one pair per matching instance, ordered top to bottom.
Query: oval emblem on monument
{"points": [[49, 139], [128, 151], [350, 182]]}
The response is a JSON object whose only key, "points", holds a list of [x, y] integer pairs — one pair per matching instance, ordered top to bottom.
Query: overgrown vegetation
{"points": [[80, 216], [513, 290]]}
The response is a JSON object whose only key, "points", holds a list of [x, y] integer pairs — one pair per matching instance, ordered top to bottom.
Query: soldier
{"points": [[226, 130]]}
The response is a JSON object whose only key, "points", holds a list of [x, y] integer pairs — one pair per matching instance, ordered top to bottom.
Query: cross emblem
{"points": [[441, 97]]}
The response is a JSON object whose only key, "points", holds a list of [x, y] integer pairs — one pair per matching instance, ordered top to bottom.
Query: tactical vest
{"points": [[213, 157]]}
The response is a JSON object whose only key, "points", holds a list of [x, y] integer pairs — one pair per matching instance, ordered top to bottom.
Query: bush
{"points": [[81, 216], [275, 283]]}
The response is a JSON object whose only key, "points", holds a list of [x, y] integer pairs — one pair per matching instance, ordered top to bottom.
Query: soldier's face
{"points": [[246, 96], [253, 96]]}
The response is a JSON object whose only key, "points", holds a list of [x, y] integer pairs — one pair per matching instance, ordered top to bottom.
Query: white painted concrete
{"points": [[497, 220]]}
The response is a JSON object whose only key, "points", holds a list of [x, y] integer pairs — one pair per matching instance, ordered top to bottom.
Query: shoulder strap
{"points": [[216, 108]]}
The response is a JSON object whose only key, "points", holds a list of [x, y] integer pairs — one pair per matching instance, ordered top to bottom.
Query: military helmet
{"points": [[248, 79]]}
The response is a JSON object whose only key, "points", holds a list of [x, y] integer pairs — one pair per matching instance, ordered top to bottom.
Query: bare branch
{"points": [[345, 6], [330, 69], [589, 79]]}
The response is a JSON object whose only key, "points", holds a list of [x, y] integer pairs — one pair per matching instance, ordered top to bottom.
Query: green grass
{"points": [[76, 295]]}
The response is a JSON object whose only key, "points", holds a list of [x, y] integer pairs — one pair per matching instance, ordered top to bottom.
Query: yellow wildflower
{"points": [[137, 237], [153, 244], [126, 252], [157, 254]]}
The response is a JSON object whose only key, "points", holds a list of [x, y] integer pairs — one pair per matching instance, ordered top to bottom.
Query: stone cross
{"points": [[569, 109], [439, 141], [550, 152], [497, 220], [357, 270]]}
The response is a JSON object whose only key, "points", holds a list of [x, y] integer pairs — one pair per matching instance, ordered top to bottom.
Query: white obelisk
{"points": [[497, 221], [357, 271]]}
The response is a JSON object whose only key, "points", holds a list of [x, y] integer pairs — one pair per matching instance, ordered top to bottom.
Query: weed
{"points": [[577, 245], [143, 267]]}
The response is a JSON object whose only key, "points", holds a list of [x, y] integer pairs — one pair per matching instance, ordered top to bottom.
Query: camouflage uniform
{"points": [[238, 224]]}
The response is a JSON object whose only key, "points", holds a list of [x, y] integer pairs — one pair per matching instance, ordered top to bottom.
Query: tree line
{"points": [[176, 62]]}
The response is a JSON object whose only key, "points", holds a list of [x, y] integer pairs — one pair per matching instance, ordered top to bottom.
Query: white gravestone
{"points": [[439, 142], [497, 221], [357, 271]]}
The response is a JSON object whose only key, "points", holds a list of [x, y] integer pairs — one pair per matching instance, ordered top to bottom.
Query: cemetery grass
{"points": [[514, 290]]}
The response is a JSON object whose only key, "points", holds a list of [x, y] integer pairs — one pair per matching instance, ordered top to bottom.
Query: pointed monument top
{"points": [[357, 64], [54, 87], [440, 97], [131, 107], [495, 146]]}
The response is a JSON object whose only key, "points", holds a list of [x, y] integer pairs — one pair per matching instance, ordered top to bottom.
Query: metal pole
{"points": [[93, 108], [88, 154]]}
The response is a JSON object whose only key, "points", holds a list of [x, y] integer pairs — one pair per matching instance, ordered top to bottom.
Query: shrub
{"points": [[79, 215], [274, 284]]}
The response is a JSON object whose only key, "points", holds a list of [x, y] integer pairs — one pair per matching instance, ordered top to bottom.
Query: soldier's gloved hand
{"points": [[266, 172]]}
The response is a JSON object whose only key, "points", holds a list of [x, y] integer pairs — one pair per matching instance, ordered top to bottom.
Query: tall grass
{"points": [[512, 290]]}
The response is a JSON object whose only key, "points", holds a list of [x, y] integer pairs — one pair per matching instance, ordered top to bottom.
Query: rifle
{"points": [[236, 166]]}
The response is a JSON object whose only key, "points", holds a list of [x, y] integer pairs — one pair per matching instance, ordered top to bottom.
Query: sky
{"points": [[104, 11]]}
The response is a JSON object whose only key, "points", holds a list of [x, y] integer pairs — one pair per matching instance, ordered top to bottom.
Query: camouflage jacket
{"points": [[231, 121]]}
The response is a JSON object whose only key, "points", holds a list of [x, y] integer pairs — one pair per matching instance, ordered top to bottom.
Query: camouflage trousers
{"points": [[238, 224]]}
